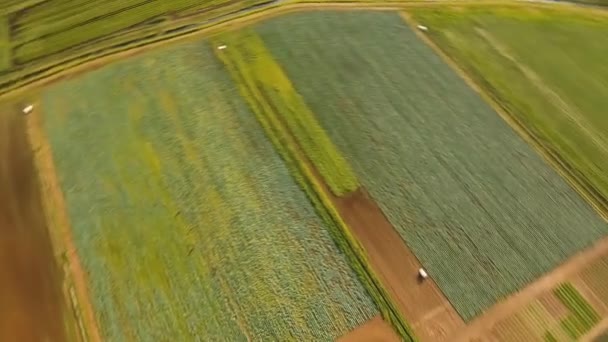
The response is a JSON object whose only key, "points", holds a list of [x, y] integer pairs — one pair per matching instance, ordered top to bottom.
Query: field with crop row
{"points": [[60, 24], [47, 35], [552, 77], [290, 125], [483, 212], [186, 219], [561, 314]]}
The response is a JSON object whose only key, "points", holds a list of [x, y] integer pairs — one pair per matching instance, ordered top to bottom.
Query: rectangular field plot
{"points": [[547, 68], [480, 208], [185, 218]]}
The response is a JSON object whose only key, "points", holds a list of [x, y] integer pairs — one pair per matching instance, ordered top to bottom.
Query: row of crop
{"points": [[10, 6], [36, 40], [259, 70], [289, 149], [229, 239], [582, 315]]}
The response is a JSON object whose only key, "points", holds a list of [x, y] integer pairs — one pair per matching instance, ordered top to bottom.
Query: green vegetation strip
{"points": [[60, 24], [5, 45], [258, 69], [283, 140], [479, 207], [184, 216], [582, 315]]}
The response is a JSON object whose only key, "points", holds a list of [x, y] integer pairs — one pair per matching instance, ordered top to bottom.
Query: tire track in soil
{"points": [[31, 301]]}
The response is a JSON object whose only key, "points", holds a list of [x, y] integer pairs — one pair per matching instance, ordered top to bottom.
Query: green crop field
{"points": [[48, 35], [547, 68], [479, 207], [186, 219]]}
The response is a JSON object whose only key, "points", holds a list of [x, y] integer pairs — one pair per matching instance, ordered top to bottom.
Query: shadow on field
{"points": [[30, 292]]}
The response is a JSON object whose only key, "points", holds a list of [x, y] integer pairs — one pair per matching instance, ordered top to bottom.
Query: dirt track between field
{"points": [[57, 216], [31, 301], [422, 303], [374, 330]]}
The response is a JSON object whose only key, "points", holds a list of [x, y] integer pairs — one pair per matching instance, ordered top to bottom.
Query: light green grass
{"points": [[243, 60], [258, 69], [549, 71], [481, 210], [187, 221]]}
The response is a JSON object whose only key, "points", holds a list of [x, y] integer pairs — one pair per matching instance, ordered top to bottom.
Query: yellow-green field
{"points": [[184, 216]]}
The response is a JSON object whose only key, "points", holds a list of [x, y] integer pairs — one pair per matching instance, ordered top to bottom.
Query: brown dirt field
{"points": [[56, 213], [31, 301], [422, 303], [374, 330]]}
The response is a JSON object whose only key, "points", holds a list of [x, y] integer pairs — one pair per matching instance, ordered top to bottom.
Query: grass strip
{"points": [[5, 46], [259, 69], [287, 147]]}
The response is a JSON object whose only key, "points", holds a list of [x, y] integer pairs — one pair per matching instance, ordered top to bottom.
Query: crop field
{"points": [[45, 34], [546, 68], [479, 207], [186, 219]]}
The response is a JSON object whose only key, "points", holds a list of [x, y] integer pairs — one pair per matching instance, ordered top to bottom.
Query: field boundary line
{"points": [[193, 29], [578, 182], [55, 210]]}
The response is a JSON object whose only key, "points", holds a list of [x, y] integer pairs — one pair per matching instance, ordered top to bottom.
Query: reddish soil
{"points": [[31, 301], [421, 302], [374, 330]]}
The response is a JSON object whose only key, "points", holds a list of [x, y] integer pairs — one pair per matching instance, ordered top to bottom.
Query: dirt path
{"points": [[56, 213], [31, 301], [422, 303], [374, 330]]}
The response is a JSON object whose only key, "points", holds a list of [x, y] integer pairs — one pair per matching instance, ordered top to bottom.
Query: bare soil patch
{"points": [[31, 301], [422, 303], [374, 330]]}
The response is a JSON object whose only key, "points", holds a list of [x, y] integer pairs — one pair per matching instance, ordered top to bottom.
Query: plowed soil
{"points": [[422, 303], [31, 304]]}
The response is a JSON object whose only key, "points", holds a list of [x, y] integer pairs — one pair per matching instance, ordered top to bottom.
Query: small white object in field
{"points": [[423, 28], [221, 47], [28, 109], [422, 273]]}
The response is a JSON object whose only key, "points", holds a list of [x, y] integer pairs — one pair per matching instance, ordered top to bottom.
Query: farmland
{"points": [[47, 35], [552, 77], [289, 185], [480, 208], [184, 216]]}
